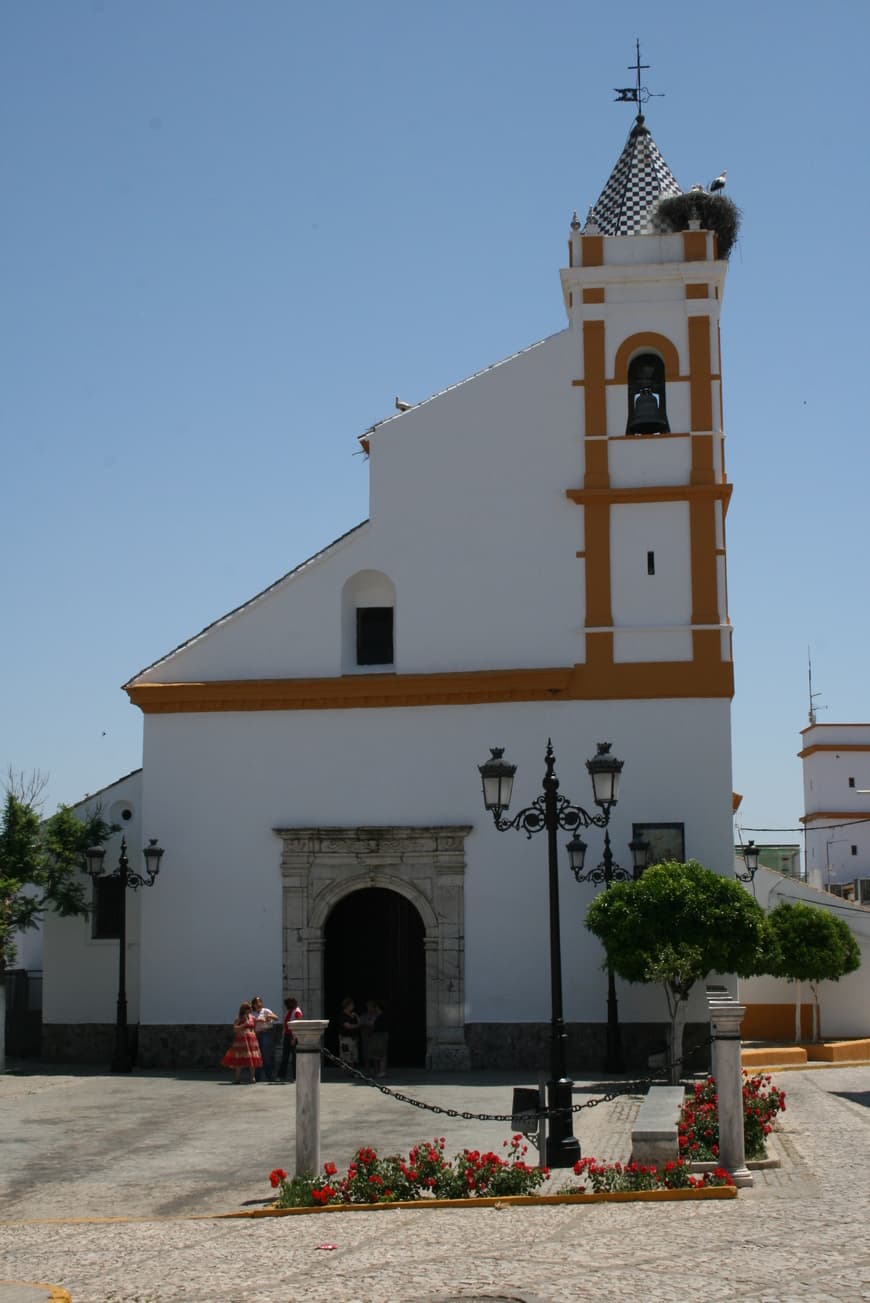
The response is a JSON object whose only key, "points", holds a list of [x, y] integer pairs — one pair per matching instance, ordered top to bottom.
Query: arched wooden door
{"points": [[374, 950]]}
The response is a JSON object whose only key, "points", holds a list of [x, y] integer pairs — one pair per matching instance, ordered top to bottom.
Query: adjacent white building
{"points": [[544, 558], [836, 766]]}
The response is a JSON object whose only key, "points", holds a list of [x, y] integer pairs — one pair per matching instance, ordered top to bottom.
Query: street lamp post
{"points": [[548, 813], [95, 855], [750, 862], [608, 872]]}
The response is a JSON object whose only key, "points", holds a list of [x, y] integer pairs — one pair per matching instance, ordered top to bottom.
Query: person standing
{"points": [[264, 1026], [348, 1033], [378, 1036], [288, 1045], [244, 1051]]}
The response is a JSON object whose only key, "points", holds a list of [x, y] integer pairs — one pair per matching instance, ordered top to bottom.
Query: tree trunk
{"points": [[817, 1012], [797, 1013], [2, 1020], [678, 1026]]}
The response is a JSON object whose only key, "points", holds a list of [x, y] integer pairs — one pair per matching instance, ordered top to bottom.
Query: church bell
{"points": [[646, 400]]}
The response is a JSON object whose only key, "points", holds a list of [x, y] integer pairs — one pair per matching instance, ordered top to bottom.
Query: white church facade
{"points": [[544, 558]]}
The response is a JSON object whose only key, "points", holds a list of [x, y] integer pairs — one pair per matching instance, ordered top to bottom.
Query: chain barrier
{"points": [[625, 1088]]}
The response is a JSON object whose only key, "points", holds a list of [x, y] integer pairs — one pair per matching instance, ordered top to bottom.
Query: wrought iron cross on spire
{"points": [[636, 94]]}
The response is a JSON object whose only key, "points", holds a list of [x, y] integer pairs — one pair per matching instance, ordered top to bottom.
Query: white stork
{"points": [[718, 184], [401, 405]]}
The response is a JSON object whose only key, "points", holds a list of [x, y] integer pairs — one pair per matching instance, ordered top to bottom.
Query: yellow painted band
{"points": [[599, 679], [834, 746], [506, 1200]]}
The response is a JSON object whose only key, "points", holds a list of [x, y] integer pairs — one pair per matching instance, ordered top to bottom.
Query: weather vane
{"points": [[636, 94]]}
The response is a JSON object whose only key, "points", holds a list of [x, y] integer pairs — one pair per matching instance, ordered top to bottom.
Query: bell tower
{"points": [[643, 293]]}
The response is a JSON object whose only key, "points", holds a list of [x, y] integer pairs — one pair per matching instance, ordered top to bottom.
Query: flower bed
{"points": [[699, 1124], [425, 1173], [675, 1175], [427, 1176]]}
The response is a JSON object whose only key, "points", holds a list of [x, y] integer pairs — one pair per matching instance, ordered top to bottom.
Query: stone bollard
{"points": [[726, 1017], [309, 1034]]}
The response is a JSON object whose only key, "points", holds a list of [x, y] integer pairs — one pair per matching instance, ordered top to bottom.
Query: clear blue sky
{"points": [[233, 231]]}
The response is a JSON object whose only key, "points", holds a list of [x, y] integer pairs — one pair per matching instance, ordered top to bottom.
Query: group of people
{"points": [[363, 1037], [253, 1047]]}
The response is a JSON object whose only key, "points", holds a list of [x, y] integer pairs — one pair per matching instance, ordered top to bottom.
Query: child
{"points": [[288, 1045]]}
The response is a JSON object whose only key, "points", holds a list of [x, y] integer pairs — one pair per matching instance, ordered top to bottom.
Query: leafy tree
{"points": [[40, 870], [675, 925], [811, 945]]}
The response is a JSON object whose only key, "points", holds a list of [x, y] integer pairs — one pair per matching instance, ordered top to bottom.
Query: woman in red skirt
{"points": [[244, 1051]]}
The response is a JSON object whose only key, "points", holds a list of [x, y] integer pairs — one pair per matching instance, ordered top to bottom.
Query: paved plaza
{"points": [[108, 1186]]}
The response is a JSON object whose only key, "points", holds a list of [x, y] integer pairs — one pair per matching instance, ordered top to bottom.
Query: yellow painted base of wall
{"points": [[775, 1022], [838, 1051], [773, 1056], [795, 1056], [506, 1201], [56, 1294]]}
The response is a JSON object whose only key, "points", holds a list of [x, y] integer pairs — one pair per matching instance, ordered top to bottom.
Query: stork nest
{"points": [[714, 212]]}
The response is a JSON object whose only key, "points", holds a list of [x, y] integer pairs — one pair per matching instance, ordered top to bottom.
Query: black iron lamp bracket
{"points": [[534, 817], [602, 873]]}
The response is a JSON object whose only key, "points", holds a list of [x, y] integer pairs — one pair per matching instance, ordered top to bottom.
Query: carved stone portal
{"points": [[320, 866]]}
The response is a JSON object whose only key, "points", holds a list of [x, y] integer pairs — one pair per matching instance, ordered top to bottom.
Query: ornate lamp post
{"points": [[548, 813], [750, 863], [608, 872], [121, 1059]]}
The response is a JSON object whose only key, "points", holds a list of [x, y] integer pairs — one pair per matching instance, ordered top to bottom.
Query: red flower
{"points": [[330, 1169], [277, 1176]]}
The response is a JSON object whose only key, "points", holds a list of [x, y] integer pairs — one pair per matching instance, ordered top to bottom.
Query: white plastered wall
{"points": [[837, 781], [212, 926], [80, 977], [844, 1005]]}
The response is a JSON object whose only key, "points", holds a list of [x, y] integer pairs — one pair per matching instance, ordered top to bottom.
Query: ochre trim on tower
{"points": [[694, 246], [592, 250], [640, 342], [700, 374], [594, 394], [703, 471], [597, 472], [653, 493], [596, 520], [705, 571], [597, 680], [833, 746], [839, 816]]}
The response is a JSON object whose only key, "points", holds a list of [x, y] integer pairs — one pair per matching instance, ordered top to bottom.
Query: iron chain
{"points": [[625, 1088]]}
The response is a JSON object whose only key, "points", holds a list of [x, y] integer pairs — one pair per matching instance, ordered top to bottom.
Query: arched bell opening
{"points": [[647, 407]]}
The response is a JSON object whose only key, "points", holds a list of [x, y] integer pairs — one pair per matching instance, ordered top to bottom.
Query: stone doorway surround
{"points": [[426, 865]]}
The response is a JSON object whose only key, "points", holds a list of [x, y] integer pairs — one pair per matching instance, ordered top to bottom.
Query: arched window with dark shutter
{"points": [[647, 408]]}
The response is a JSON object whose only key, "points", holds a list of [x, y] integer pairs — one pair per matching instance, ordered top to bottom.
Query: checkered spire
{"points": [[641, 177]]}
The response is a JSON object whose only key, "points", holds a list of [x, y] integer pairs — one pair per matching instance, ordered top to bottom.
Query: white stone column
{"points": [[726, 1017], [309, 1034]]}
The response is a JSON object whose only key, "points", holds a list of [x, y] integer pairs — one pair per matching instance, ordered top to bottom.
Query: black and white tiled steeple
{"points": [[641, 177]]}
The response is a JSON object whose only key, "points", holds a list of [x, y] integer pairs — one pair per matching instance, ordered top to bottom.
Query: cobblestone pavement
{"points": [[150, 1147]]}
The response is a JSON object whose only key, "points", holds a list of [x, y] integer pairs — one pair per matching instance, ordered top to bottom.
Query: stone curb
{"points": [[816, 1065], [503, 1201], [17, 1291]]}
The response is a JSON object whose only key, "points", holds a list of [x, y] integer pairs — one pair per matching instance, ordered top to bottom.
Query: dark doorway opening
{"points": [[374, 951]]}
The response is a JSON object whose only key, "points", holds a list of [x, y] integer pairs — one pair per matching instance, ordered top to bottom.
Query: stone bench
{"points": [[654, 1134]]}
